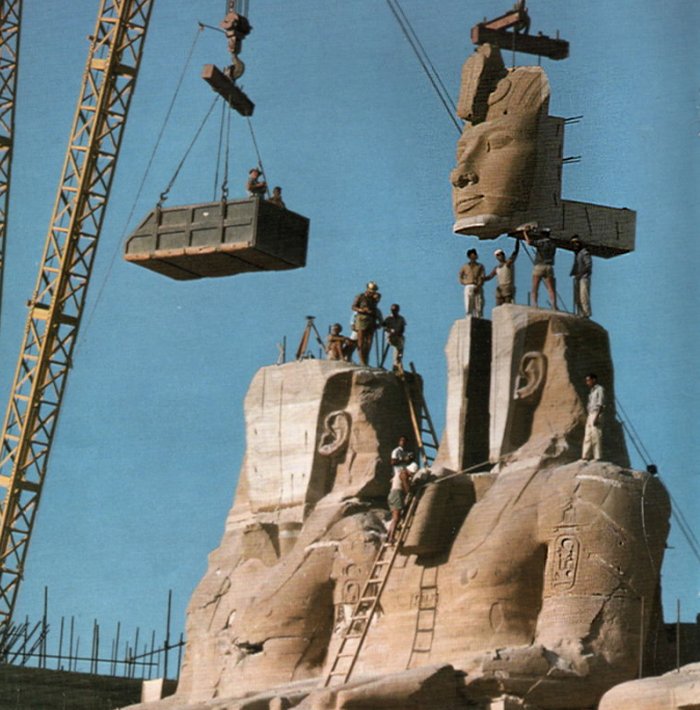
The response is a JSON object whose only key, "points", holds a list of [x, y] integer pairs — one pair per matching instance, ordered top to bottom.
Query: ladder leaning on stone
{"points": [[423, 428], [366, 605], [353, 637]]}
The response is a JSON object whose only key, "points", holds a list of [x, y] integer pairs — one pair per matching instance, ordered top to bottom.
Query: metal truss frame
{"points": [[10, 21], [57, 304]]}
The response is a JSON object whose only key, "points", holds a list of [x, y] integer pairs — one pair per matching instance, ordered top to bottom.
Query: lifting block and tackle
{"points": [[236, 28]]}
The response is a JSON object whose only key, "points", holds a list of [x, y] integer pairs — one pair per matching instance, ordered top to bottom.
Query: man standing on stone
{"points": [[543, 267], [581, 270], [505, 273], [471, 276], [366, 319], [395, 326], [593, 436], [400, 487]]}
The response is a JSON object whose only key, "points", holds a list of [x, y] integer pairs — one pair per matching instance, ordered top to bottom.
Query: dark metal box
{"points": [[219, 239]]}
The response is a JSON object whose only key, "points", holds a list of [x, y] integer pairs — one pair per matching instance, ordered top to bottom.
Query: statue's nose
{"points": [[461, 177]]}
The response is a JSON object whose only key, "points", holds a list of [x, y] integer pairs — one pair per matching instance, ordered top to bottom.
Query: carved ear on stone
{"points": [[531, 377], [336, 433]]}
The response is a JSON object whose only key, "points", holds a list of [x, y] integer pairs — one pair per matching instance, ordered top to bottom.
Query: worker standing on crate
{"points": [[255, 186], [400, 485]]}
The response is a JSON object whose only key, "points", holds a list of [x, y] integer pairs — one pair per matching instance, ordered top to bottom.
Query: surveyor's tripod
{"points": [[302, 351]]}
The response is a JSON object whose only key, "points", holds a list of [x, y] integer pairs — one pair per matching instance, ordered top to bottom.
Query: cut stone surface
{"points": [[509, 162], [524, 587], [677, 690]]}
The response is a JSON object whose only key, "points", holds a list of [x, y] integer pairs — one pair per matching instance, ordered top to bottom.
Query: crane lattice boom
{"points": [[10, 20], [57, 304]]}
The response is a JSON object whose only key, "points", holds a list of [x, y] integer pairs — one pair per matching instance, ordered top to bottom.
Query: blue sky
{"points": [[150, 439]]}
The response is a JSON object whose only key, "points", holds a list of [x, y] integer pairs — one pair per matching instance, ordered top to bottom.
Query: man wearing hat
{"points": [[255, 186], [543, 268], [581, 270], [504, 271], [366, 319]]}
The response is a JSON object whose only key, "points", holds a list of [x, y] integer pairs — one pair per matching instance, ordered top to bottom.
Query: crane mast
{"points": [[10, 20], [56, 307]]}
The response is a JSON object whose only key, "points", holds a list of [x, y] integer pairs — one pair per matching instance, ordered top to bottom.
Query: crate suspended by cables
{"points": [[224, 237], [219, 239]]}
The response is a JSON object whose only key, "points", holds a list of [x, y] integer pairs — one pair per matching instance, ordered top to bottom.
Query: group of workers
{"points": [[258, 188], [473, 275], [367, 319]]}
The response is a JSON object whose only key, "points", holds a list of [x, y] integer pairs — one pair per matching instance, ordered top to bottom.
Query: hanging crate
{"points": [[219, 239]]}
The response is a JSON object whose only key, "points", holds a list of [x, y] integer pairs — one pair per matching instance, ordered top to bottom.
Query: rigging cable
{"points": [[407, 23], [434, 80], [218, 149], [257, 153], [147, 171], [224, 182], [164, 194], [676, 512]]}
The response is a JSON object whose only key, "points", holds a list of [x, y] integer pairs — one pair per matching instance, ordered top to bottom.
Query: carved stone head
{"points": [[497, 152], [538, 395], [316, 427]]}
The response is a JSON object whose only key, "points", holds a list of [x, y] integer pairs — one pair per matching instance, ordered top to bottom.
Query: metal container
{"points": [[219, 239]]}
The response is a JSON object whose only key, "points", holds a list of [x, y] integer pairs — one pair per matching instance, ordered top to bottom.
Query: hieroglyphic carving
{"points": [[566, 555]]}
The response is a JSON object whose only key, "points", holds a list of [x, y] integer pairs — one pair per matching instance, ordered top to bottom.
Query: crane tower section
{"points": [[10, 20], [56, 307]]}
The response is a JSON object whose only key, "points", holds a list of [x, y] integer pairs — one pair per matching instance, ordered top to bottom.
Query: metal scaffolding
{"points": [[56, 307]]}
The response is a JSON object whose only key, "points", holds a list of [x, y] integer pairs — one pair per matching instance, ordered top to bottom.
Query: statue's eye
{"points": [[499, 140]]}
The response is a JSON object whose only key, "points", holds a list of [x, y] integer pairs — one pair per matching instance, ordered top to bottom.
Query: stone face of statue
{"points": [[497, 152], [495, 164], [303, 530]]}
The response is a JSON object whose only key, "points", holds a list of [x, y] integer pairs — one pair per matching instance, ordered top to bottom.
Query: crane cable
{"points": [[422, 56], [223, 147], [218, 151], [259, 157], [146, 172], [224, 181], [166, 192], [676, 512]]}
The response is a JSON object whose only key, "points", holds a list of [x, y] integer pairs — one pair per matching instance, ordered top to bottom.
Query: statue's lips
{"points": [[465, 204], [485, 226]]}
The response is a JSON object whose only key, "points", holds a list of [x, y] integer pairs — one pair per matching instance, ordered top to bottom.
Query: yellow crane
{"points": [[10, 21], [56, 307]]}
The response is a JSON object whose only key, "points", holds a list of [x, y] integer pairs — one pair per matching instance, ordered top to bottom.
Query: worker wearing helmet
{"points": [[367, 317]]}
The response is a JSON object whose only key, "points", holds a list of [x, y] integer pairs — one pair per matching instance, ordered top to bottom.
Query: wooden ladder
{"points": [[423, 427], [355, 632], [353, 637]]}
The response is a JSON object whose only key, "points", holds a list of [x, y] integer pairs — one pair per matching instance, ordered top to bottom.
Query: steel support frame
{"points": [[10, 21], [57, 304]]}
